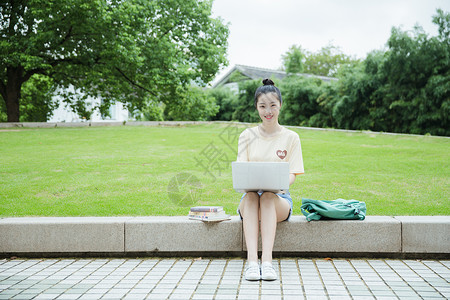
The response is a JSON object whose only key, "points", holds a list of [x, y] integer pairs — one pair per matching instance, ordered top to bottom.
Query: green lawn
{"points": [[118, 171]]}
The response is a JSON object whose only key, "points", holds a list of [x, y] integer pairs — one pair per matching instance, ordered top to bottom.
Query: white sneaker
{"points": [[252, 272], [268, 272]]}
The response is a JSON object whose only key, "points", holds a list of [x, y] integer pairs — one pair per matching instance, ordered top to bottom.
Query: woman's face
{"points": [[268, 107]]}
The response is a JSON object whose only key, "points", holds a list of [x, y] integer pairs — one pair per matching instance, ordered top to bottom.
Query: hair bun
{"points": [[268, 82]]}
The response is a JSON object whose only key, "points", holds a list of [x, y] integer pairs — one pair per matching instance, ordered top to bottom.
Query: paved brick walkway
{"points": [[152, 278]]}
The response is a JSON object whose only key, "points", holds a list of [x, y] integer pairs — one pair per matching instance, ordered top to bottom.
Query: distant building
{"points": [[240, 73]]}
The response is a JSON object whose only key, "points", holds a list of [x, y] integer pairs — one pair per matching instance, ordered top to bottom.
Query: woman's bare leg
{"points": [[249, 209], [273, 210]]}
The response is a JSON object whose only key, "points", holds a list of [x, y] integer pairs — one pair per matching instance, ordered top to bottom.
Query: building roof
{"points": [[260, 73]]}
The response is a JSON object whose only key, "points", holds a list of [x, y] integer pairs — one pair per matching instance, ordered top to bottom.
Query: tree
{"points": [[119, 50], [293, 60], [327, 61], [417, 74], [403, 89], [226, 100], [299, 100], [326, 101], [37, 103], [194, 104], [245, 110], [351, 111], [150, 112]]}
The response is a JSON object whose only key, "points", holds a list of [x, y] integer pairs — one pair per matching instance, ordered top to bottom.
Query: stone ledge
{"points": [[66, 234], [179, 234], [374, 234], [424, 234], [164, 236]]}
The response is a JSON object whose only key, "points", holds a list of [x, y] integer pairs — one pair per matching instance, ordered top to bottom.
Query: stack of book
{"points": [[208, 214]]}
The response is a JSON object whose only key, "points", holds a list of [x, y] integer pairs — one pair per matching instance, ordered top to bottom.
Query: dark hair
{"points": [[268, 87]]}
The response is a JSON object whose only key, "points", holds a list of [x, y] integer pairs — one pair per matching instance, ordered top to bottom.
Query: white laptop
{"points": [[260, 176]]}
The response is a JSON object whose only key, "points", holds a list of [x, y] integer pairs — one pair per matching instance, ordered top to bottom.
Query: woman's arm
{"points": [[242, 154], [291, 178]]}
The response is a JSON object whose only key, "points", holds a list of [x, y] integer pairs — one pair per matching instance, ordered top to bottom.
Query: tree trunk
{"points": [[12, 92], [12, 107]]}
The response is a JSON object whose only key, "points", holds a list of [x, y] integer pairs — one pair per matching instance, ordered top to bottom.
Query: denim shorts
{"points": [[286, 196]]}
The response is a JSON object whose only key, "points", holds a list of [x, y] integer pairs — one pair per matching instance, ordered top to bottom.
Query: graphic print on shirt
{"points": [[281, 154]]}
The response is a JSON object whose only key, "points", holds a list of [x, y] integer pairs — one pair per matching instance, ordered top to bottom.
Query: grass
{"points": [[132, 171]]}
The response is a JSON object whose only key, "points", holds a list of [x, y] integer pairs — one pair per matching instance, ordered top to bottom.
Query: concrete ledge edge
{"points": [[420, 236]]}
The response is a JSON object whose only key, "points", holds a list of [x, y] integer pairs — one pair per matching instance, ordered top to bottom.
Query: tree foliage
{"points": [[119, 50], [293, 60], [328, 61], [325, 62], [417, 76], [403, 89], [226, 100], [299, 100], [37, 103], [194, 104], [244, 108], [151, 111]]}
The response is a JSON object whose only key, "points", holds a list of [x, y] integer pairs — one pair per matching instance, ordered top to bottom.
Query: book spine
{"points": [[206, 209], [202, 213], [199, 217], [215, 218]]}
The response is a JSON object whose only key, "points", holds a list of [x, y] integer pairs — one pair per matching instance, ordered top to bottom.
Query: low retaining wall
{"points": [[10, 125], [14, 125], [376, 236]]}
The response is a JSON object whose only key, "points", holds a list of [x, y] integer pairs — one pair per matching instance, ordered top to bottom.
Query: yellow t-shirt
{"points": [[283, 147]]}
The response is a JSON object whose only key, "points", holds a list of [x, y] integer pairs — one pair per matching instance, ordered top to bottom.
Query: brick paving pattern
{"points": [[178, 278]]}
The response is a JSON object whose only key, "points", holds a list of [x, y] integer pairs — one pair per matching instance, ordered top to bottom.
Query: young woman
{"points": [[269, 141]]}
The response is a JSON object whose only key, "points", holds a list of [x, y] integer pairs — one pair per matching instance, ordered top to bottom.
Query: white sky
{"points": [[262, 30]]}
